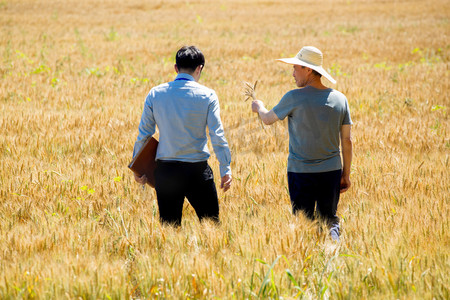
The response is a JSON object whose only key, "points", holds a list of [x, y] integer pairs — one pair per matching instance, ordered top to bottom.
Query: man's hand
{"points": [[257, 105], [267, 117], [140, 180], [225, 182], [345, 183]]}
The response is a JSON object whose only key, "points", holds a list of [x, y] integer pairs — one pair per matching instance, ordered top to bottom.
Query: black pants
{"points": [[175, 180], [307, 189]]}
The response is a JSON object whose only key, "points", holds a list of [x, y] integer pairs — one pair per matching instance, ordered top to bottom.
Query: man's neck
{"points": [[185, 72], [193, 74], [317, 83]]}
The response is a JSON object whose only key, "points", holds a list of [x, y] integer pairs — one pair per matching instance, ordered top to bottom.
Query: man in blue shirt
{"points": [[182, 109], [318, 120]]}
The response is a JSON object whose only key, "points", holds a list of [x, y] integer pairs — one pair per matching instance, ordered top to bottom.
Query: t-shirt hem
{"points": [[299, 167]]}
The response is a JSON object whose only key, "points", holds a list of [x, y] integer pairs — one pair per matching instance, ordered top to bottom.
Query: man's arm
{"points": [[268, 117], [147, 126], [146, 129], [219, 143], [347, 152]]}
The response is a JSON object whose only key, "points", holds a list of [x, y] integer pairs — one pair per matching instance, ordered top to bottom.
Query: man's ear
{"points": [[176, 68]]}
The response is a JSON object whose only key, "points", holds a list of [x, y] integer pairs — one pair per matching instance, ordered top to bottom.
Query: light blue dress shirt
{"points": [[182, 109]]}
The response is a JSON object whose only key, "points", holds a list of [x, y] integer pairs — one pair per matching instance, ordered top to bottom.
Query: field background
{"points": [[75, 225]]}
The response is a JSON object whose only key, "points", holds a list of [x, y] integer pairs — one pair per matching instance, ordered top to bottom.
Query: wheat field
{"points": [[75, 225]]}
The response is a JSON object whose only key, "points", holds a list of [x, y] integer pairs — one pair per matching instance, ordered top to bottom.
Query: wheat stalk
{"points": [[250, 90], [63, 173]]}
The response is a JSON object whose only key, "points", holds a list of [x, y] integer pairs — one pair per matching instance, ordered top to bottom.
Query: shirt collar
{"points": [[184, 76]]}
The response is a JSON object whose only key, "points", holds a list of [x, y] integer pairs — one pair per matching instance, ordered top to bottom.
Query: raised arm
{"points": [[268, 117], [347, 152]]}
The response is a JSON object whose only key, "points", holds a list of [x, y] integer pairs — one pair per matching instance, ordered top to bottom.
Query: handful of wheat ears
{"points": [[250, 90], [251, 93]]}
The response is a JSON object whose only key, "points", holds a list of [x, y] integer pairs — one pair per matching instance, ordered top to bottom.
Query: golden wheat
{"points": [[74, 224]]}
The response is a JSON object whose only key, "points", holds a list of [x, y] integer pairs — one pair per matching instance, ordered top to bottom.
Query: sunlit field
{"points": [[75, 225]]}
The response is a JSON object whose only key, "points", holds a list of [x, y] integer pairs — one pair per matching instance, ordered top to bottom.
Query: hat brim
{"points": [[319, 69]]}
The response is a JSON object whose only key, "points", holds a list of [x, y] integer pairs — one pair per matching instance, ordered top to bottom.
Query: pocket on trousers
{"points": [[208, 173]]}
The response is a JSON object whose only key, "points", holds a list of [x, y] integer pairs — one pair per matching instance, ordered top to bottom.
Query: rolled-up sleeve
{"points": [[146, 126], [218, 140]]}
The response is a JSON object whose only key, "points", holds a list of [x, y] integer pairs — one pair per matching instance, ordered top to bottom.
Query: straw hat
{"points": [[310, 57]]}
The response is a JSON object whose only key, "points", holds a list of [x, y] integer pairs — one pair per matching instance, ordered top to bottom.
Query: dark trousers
{"points": [[175, 180], [308, 189]]}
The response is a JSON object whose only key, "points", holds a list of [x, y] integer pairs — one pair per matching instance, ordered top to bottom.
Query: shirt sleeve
{"points": [[284, 107], [347, 120], [146, 126], [216, 133]]}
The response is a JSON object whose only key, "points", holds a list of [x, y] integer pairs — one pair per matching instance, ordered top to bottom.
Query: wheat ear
{"points": [[250, 90]]}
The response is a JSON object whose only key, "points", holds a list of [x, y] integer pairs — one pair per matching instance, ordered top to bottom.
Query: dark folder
{"points": [[144, 161]]}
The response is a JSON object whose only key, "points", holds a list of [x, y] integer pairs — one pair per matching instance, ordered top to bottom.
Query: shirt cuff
{"points": [[225, 170]]}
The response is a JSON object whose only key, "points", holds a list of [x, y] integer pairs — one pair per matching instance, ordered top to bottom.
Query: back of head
{"points": [[189, 58]]}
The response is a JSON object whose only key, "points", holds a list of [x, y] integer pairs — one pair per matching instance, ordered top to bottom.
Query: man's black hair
{"points": [[189, 57]]}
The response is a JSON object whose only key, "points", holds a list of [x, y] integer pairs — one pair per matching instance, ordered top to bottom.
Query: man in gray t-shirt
{"points": [[318, 120]]}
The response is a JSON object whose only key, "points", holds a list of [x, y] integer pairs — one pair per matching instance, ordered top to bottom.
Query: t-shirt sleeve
{"points": [[284, 107], [347, 120]]}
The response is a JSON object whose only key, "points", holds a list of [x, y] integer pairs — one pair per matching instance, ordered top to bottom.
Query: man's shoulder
{"points": [[160, 87], [195, 87], [202, 87], [202, 92], [328, 92], [292, 93], [337, 93], [338, 97]]}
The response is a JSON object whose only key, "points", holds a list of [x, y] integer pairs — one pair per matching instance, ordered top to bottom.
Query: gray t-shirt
{"points": [[315, 118]]}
